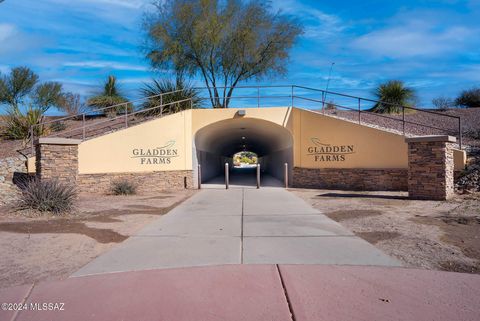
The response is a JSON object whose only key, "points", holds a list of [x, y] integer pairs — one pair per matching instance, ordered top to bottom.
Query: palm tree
{"points": [[166, 93], [110, 96], [391, 96]]}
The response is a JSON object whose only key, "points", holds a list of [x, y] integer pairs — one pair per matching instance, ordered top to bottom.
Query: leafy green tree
{"points": [[225, 42], [15, 87], [21, 88], [171, 91], [392, 95], [110, 96], [469, 98]]}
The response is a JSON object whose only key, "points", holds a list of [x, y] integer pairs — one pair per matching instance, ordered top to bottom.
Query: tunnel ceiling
{"points": [[225, 137]]}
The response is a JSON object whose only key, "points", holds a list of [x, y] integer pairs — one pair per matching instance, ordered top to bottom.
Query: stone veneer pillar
{"points": [[57, 158], [430, 167]]}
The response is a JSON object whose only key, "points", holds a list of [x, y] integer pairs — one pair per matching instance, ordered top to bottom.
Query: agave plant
{"points": [[169, 93], [392, 95], [110, 96]]}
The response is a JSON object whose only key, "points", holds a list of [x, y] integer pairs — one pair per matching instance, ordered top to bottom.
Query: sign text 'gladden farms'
{"points": [[329, 153], [159, 155]]}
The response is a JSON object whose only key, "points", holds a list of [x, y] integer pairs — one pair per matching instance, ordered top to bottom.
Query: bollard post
{"points": [[258, 175], [286, 175], [199, 176], [226, 176]]}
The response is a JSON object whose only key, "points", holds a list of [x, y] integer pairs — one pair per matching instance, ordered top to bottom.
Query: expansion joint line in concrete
{"points": [[241, 227], [285, 292], [17, 312]]}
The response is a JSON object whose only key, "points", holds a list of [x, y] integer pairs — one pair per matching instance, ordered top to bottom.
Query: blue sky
{"points": [[434, 46]]}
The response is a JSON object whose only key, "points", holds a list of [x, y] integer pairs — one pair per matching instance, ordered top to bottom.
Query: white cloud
{"points": [[123, 3], [134, 4], [318, 24], [6, 31], [414, 39], [97, 64]]}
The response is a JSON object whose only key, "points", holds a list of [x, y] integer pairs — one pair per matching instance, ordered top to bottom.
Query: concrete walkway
{"points": [[244, 178], [239, 226], [254, 292]]}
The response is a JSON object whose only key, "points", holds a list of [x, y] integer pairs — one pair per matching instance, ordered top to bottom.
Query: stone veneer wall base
{"points": [[431, 167], [351, 179], [145, 182]]}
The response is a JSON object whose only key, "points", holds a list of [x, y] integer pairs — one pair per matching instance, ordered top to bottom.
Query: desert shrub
{"points": [[469, 98], [443, 103], [72, 104], [330, 106], [18, 124], [58, 126], [123, 187], [47, 196]]}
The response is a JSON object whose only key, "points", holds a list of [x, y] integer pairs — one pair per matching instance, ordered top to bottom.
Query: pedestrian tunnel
{"points": [[215, 145]]}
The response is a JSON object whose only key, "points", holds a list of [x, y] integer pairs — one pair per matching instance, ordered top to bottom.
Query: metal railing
{"points": [[296, 95]]}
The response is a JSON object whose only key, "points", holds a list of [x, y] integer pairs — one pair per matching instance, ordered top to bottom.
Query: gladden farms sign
{"points": [[329, 153], [159, 155]]}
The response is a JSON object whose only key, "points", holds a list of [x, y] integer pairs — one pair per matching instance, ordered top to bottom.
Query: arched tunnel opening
{"points": [[217, 143]]}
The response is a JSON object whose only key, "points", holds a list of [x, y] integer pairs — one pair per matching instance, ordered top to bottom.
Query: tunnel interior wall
{"points": [[274, 163], [212, 165]]}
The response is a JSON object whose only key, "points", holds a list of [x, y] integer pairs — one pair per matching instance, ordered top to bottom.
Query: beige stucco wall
{"points": [[278, 115], [372, 148], [114, 153]]}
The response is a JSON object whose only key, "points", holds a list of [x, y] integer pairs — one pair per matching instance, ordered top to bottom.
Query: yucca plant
{"points": [[172, 91], [392, 95], [110, 96], [18, 124], [47, 196]]}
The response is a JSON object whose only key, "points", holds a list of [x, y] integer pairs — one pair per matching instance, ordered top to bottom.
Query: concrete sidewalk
{"points": [[218, 226], [255, 292]]}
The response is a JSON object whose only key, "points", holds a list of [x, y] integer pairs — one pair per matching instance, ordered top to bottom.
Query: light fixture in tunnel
{"points": [[243, 137]]}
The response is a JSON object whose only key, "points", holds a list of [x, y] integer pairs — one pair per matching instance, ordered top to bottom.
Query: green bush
{"points": [[469, 98], [123, 187], [47, 196]]}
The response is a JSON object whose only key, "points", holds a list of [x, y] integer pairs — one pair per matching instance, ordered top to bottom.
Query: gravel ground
{"points": [[423, 122], [423, 234], [36, 248]]}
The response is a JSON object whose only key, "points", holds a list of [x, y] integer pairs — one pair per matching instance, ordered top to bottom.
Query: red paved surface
{"points": [[256, 292], [210, 293], [366, 293], [12, 295]]}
